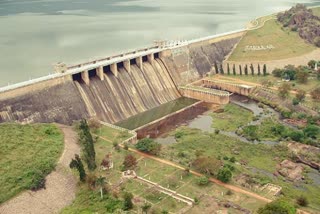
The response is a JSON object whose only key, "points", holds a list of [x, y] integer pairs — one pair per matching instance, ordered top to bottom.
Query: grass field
{"points": [[316, 11], [287, 44], [232, 118], [28, 153], [261, 160], [88, 201]]}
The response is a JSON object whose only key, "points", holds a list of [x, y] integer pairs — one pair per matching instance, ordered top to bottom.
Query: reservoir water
{"points": [[36, 34]]}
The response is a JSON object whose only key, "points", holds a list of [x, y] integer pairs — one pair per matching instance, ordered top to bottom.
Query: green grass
{"points": [[287, 44], [233, 117], [112, 134], [217, 145], [27, 152], [89, 201]]}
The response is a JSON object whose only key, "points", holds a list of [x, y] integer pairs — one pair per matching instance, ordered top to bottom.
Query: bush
{"points": [[295, 101], [311, 131], [178, 134], [296, 136], [149, 146], [224, 175], [38, 181], [203, 181], [302, 201], [127, 203], [279, 206]]}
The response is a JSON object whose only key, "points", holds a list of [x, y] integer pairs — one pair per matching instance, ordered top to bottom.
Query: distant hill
{"points": [[304, 21]]}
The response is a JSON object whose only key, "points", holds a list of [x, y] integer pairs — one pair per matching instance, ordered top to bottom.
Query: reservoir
{"points": [[36, 34]]}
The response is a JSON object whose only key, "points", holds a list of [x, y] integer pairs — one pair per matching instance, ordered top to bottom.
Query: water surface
{"points": [[35, 34]]}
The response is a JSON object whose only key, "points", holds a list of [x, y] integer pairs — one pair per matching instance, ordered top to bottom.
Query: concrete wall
{"points": [[195, 61], [32, 88], [233, 88], [204, 96], [62, 100], [61, 103], [165, 124]]}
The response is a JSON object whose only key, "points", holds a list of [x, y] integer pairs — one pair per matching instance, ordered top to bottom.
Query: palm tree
{"points": [[100, 182]]}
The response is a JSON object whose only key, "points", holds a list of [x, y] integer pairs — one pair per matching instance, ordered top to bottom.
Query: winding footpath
{"points": [[60, 189]]}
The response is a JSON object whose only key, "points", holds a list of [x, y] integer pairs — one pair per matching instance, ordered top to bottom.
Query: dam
{"points": [[116, 88]]}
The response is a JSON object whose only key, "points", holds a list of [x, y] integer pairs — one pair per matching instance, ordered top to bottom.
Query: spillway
{"points": [[118, 98]]}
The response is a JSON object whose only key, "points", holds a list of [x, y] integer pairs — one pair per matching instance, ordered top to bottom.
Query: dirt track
{"points": [[60, 185]]}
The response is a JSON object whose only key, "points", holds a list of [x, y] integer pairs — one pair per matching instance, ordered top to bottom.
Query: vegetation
{"points": [[295, 20], [286, 44], [284, 90], [315, 94], [231, 118], [86, 142], [149, 146], [28, 154], [129, 162], [76, 163], [224, 174], [88, 201], [127, 205], [279, 206]]}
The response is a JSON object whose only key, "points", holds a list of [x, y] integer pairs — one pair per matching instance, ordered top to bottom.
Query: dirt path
{"points": [[60, 185]]}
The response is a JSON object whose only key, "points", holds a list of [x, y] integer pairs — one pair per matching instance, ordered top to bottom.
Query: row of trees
{"points": [[242, 70]]}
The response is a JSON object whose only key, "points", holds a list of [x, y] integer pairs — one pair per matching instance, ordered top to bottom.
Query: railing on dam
{"points": [[95, 64]]}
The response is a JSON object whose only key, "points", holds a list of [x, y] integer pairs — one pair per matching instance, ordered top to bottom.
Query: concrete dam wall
{"points": [[115, 88], [117, 98]]}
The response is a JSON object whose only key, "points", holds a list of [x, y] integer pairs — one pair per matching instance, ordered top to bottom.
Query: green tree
{"points": [[228, 69], [234, 69], [240, 69], [252, 69], [246, 70], [259, 70], [264, 70], [86, 142], [149, 146], [76, 163], [224, 174], [101, 182], [127, 203], [279, 206]]}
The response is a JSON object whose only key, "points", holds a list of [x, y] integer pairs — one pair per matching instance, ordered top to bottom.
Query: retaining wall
{"points": [[167, 123]]}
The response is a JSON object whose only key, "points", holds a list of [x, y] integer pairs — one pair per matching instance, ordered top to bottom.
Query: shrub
{"points": [[315, 94], [295, 101], [311, 131], [178, 134], [296, 135], [149, 146], [232, 159], [129, 162], [207, 165], [224, 175], [38, 181], [203, 181], [229, 192], [302, 201], [127, 203], [279, 206]]}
